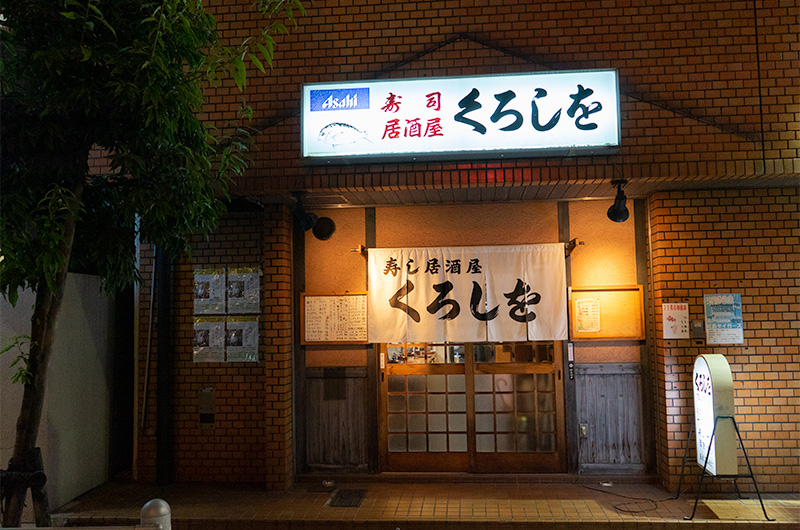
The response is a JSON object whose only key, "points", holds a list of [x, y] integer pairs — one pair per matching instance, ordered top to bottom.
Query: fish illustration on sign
{"points": [[337, 134]]}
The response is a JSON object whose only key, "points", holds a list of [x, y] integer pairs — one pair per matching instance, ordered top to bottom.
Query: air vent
{"points": [[311, 200]]}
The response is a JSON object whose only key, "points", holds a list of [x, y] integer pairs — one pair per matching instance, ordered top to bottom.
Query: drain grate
{"points": [[347, 498]]}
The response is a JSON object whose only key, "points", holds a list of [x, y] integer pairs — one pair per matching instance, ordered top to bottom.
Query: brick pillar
{"points": [[277, 313], [250, 440]]}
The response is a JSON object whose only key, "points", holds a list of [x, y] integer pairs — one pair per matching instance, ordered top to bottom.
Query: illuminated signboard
{"points": [[514, 115], [713, 397]]}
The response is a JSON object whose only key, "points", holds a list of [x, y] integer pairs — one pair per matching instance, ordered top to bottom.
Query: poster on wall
{"points": [[244, 290], [209, 291], [512, 293], [587, 314], [723, 315], [675, 320], [209, 339], [241, 339]]}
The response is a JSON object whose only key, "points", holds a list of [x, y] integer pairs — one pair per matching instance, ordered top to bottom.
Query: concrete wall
{"points": [[74, 433]]}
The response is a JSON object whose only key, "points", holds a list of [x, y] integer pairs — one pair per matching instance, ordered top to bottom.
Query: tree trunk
{"points": [[43, 322]]}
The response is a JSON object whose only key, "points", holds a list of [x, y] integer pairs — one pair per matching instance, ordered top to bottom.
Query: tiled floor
{"points": [[428, 506]]}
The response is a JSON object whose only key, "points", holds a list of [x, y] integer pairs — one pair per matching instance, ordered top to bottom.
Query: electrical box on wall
{"points": [[698, 330], [205, 407]]}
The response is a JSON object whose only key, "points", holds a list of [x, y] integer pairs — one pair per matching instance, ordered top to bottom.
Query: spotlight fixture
{"points": [[618, 211], [306, 220]]}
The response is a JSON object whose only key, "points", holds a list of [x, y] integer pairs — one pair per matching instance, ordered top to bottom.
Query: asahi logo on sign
{"points": [[339, 99]]}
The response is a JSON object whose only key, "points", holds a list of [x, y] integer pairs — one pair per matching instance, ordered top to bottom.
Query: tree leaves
{"points": [[255, 60], [125, 78], [119, 81], [22, 375]]}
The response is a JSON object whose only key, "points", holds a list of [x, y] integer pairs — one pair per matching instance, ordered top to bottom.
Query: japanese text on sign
{"points": [[483, 116], [467, 293], [675, 320]]}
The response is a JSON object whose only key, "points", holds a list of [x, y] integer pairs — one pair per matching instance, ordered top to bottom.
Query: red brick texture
{"points": [[709, 89], [732, 241], [251, 439]]}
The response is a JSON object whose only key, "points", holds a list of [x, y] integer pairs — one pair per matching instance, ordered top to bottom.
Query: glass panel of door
{"points": [[494, 407]]}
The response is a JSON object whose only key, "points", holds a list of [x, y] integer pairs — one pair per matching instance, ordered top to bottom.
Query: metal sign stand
{"points": [[705, 463]]}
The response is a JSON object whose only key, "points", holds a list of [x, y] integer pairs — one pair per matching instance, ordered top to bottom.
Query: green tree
{"points": [[125, 79]]}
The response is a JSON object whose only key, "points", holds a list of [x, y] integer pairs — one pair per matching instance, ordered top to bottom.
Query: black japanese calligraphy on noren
{"points": [[540, 93], [469, 104], [499, 113], [391, 266], [432, 266], [453, 266], [474, 266], [408, 267], [443, 289], [475, 300], [519, 300], [395, 302]]}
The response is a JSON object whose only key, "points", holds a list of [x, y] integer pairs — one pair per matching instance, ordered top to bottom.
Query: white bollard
{"points": [[158, 512]]}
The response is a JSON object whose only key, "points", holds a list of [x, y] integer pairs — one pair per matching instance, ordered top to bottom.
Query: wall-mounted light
{"points": [[618, 211], [307, 220]]}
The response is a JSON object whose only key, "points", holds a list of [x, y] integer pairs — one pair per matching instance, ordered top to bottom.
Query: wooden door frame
{"points": [[472, 461], [411, 462], [536, 462]]}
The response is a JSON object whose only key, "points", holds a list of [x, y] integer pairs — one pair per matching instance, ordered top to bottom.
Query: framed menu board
{"points": [[605, 313], [333, 318]]}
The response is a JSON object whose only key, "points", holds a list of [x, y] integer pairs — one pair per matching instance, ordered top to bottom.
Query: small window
{"points": [[514, 352]]}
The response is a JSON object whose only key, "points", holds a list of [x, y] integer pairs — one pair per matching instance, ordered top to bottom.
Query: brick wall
{"points": [[709, 89], [732, 241], [251, 438]]}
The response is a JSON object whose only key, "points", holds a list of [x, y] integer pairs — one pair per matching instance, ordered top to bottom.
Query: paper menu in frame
{"points": [[244, 290], [209, 291], [587, 314], [331, 318], [209, 339], [241, 339]]}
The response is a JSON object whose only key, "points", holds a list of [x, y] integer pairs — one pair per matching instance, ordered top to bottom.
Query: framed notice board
{"points": [[606, 313], [333, 318]]}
